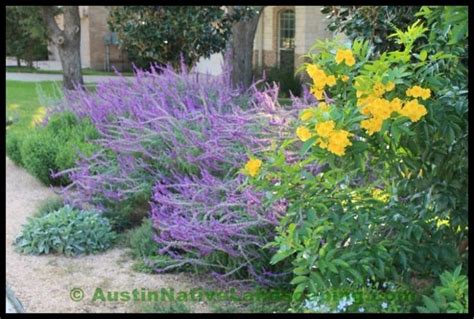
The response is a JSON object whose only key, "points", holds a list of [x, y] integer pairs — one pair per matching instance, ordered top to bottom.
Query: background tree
{"points": [[374, 23], [161, 33], [26, 36], [68, 41], [241, 44]]}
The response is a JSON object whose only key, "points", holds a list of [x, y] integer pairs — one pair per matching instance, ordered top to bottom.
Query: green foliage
{"points": [[373, 23], [160, 33], [26, 35], [285, 79], [25, 99], [12, 146], [55, 147], [38, 153], [393, 203], [49, 205], [128, 213], [65, 231], [141, 240], [450, 297], [359, 299]]}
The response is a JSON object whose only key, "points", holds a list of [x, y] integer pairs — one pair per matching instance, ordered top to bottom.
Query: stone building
{"points": [[283, 35], [99, 49]]}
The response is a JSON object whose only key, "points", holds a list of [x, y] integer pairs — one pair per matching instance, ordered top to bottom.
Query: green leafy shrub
{"points": [[373, 23], [286, 80], [14, 139], [55, 146], [38, 152], [375, 180], [49, 205], [128, 213], [66, 231], [141, 240], [450, 297]]}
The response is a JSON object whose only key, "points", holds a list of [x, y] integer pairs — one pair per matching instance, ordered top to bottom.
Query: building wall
{"points": [[310, 24], [98, 28], [93, 29]]}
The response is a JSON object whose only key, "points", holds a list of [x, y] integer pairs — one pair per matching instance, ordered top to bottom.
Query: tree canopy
{"points": [[162, 34], [26, 36]]}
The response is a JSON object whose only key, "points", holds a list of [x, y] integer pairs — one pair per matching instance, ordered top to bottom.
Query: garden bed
{"points": [[28, 275]]}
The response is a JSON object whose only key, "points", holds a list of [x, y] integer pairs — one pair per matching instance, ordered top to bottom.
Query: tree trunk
{"points": [[68, 42], [241, 49], [18, 62]]}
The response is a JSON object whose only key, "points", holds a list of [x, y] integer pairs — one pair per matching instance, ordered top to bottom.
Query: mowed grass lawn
{"points": [[85, 71], [24, 100]]}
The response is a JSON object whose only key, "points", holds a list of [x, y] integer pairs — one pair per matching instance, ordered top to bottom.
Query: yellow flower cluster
{"points": [[346, 56], [320, 80], [377, 90], [418, 91], [379, 110], [413, 110], [325, 128], [303, 133], [333, 140], [338, 141], [253, 167], [380, 195]]}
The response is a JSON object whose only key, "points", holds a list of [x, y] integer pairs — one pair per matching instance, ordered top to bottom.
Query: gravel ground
{"points": [[43, 283]]}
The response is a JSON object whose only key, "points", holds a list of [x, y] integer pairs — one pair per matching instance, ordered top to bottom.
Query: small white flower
{"points": [[384, 285], [351, 300], [384, 305], [361, 309]]}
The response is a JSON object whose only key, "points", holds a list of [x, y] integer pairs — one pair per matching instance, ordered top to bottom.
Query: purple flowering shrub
{"points": [[174, 143]]}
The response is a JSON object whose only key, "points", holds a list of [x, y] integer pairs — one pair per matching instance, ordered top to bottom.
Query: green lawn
{"points": [[85, 71], [23, 100]]}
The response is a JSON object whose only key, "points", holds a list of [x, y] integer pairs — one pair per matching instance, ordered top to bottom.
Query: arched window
{"points": [[286, 41]]}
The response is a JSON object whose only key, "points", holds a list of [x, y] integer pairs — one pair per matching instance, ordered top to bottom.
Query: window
{"points": [[287, 29], [286, 41]]}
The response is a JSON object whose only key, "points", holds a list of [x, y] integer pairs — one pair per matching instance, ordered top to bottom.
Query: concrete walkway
{"points": [[38, 77]]}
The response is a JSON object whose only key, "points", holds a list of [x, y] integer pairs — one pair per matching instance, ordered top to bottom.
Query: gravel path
{"points": [[43, 283]]}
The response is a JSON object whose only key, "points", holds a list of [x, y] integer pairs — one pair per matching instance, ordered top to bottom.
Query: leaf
{"points": [[423, 55], [307, 145], [359, 147], [280, 255], [300, 271], [356, 274], [315, 276], [298, 279], [430, 304]]}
